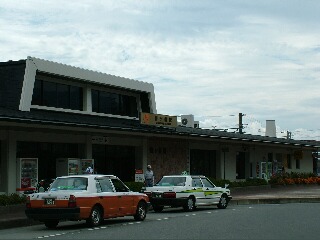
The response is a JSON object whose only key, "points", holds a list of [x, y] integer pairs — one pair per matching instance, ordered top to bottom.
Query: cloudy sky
{"points": [[213, 59]]}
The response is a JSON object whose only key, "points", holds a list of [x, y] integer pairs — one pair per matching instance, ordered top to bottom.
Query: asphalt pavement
{"points": [[14, 216]]}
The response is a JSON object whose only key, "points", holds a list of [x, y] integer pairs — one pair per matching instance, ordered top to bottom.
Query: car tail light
{"points": [[169, 195], [72, 201], [28, 202]]}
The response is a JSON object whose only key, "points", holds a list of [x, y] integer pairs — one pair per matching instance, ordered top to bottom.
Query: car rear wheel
{"points": [[223, 203], [190, 205], [157, 208], [141, 212], [95, 217], [51, 224]]}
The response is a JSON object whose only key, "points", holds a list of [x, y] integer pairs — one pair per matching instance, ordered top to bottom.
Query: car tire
{"points": [[223, 203], [190, 205], [157, 208], [141, 211], [95, 217], [51, 224]]}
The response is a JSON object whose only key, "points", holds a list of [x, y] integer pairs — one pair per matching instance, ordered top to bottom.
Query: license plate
{"points": [[48, 201]]}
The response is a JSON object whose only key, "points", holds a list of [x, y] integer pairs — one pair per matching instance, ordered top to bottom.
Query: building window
{"points": [[57, 95], [114, 103]]}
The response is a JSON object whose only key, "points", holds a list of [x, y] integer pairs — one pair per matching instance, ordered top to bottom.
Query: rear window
{"points": [[172, 181], [72, 183]]}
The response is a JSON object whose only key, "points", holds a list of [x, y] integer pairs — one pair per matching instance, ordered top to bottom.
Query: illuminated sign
{"points": [[158, 120]]}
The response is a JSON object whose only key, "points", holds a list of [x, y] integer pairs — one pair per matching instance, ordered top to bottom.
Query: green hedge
{"points": [[246, 183], [135, 186], [12, 199]]}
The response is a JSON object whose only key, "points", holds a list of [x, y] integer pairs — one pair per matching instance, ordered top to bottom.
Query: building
{"points": [[51, 113]]}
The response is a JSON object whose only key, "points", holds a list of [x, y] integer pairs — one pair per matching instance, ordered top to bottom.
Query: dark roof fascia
{"points": [[11, 62], [108, 123], [245, 137]]}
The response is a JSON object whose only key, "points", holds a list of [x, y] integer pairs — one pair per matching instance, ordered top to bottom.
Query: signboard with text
{"points": [[158, 120], [99, 140], [139, 177]]}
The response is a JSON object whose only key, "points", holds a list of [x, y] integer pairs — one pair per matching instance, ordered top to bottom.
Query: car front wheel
{"points": [[223, 203], [189, 207], [141, 212]]}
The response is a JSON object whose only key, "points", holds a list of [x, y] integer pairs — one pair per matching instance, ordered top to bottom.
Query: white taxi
{"points": [[187, 191], [87, 197]]}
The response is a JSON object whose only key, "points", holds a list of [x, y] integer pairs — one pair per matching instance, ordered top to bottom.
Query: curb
{"points": [[274, 201], [14, 223]]}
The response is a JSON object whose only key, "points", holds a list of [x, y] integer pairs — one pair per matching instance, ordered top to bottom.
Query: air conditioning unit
{"points": [[187, 121]]}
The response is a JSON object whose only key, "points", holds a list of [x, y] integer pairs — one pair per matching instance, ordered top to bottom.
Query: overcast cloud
{"points": [[212, 59]]}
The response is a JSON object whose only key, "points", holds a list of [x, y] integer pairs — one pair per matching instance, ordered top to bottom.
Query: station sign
{"points": [[158, 120]]}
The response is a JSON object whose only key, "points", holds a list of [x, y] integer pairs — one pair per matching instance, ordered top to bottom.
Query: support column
{"points": [[88, 147], [144, 154], [2, 164]]}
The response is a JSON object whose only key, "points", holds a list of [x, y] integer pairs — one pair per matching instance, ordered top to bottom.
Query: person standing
{"points": [[89, 170], [149, 177]]}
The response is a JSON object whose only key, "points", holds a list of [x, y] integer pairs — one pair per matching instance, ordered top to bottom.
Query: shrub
{"points": [[294, 178], [277, 179], [288, 181], [219, 182], [247, 182], [256, 182], [135, 186], [12, 199]]}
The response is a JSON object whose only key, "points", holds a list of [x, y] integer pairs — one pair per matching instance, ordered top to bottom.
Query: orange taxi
{"points": [[90, 197]]}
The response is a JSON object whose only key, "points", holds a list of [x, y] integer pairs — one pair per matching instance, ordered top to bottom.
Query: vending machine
{"points": [[85, 163], [67, 166], [266, 170], [27, 171]]}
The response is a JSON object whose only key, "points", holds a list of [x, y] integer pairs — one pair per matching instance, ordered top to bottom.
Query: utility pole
{"points": [[240, 123]]}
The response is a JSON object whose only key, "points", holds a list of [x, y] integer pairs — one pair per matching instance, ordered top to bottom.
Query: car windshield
{"points": [[172, 181], [72, 183]]}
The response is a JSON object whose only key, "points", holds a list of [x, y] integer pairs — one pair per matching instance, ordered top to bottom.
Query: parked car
{"points": [[187, 191], [90, 197]]}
